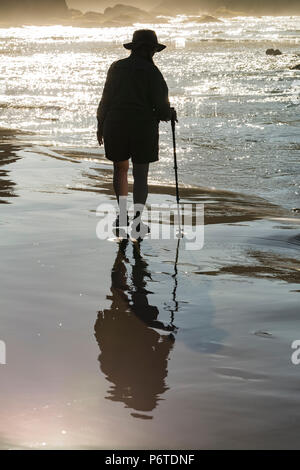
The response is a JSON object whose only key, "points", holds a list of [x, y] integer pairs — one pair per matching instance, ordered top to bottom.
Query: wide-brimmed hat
{"points": [[144, 37]]}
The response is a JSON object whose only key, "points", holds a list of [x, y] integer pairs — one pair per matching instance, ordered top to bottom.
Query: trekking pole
{"points": [[173, 121]]}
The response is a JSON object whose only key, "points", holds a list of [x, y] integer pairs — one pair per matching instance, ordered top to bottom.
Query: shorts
{"points": [[136, 140]]}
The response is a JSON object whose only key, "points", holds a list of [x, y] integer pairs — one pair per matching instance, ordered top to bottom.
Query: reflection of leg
{"points": [[121, 258], [119, 286], [139, 296]]}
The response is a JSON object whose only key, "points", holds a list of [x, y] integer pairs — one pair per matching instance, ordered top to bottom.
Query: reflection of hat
{"points": [[144, 37]]}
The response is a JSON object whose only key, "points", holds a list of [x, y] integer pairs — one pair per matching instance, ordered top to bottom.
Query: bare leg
{"points": [[120, 178], [120, 182], [140, 185], [140, 193]]}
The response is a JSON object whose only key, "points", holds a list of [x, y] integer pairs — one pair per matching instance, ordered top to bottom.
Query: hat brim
{"points": [[134, 45]]}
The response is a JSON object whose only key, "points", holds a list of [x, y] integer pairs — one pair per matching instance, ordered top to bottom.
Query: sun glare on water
{"points": [[222, 83]]}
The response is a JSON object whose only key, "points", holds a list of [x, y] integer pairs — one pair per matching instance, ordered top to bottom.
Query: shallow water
{"points": [[238, 108], [125, 346]]}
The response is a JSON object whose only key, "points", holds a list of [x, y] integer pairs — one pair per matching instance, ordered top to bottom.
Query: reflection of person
{"points": [[134, 100], [8, 155], [134, 356]]}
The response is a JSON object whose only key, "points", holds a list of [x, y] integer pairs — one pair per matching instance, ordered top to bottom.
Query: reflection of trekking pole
{"points": [[173, 120], [175, 309]]}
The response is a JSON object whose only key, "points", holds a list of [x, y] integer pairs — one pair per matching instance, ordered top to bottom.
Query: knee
{"points": [[121, 167], [140, 172]]}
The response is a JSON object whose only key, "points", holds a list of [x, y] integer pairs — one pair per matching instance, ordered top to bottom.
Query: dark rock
{"points": [[21, 12], [75, 13], [133, 13], [226, 13], [119, 15], [93, 16], [90, 19], [124, 19], [204, 19], [273, 52], [295, 67]]}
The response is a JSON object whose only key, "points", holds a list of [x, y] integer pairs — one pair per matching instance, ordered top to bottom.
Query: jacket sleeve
{"points": [[160, 96], [105, 99]]}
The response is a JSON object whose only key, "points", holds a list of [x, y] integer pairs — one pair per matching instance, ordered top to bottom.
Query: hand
{"points": [[174, 115], [99, 137]]}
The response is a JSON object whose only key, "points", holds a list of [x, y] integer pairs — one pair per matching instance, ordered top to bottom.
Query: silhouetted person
{"points": [[134, 100], [134, 357]]}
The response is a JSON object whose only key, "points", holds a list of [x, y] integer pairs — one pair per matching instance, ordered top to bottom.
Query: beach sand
{"points": [[92, 359]]}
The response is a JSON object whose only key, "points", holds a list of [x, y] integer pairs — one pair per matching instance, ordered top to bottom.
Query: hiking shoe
{"points": [[138, 229], [120, 230]]}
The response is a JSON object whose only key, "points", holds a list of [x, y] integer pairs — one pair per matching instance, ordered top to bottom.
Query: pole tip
{"points": [[179, 234]]}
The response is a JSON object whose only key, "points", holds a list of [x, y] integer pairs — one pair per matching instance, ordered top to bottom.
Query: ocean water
{"points": [[238, 108]]}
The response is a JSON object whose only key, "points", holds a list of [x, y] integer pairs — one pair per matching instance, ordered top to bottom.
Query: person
{"points": [[134, 101]]}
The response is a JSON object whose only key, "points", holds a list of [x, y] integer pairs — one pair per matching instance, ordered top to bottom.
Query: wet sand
{"points": [[116, 346]]}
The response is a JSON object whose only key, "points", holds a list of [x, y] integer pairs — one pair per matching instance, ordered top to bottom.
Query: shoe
{"points": [[139, 230], [120, 231]]}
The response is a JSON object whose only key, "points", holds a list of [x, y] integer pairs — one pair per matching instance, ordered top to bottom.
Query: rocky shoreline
{"points": [[50, 12], [117, 16]]}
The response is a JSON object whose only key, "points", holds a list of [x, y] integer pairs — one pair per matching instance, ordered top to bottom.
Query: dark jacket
{"points": [[134, 90]]}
